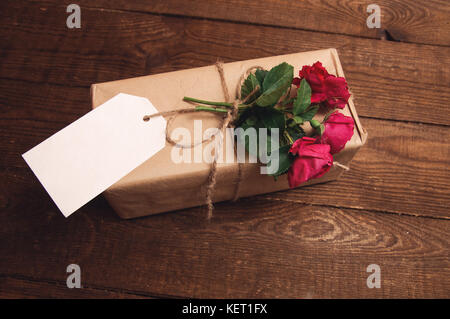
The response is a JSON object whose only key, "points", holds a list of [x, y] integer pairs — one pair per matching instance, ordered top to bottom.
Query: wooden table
{"points": [[390, 209]]}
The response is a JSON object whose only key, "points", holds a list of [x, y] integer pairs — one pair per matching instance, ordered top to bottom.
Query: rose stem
{"points": [[191, 99], [226, 104], [212, 109], [288, 137]]}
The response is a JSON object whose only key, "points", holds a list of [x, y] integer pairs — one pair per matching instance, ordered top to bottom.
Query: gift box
{"points": [[161, 185]]}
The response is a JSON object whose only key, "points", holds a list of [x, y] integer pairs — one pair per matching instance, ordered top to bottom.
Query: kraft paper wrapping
{"points": [[160, 185]]}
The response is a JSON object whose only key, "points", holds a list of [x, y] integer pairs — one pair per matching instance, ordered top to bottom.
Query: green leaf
{"points": [[260, 75], [250, 84], [275, 84], [303, 99], [287, 101], [310, 113], [242, 117], [262, 117], [271, 118], [298, 119], [252, 121], [290, 122], [314, 123], [318, 127], [321, 129], [294, 130], [285, 160]]}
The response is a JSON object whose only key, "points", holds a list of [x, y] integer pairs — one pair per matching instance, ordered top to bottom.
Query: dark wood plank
{"points": [[404, 20], [389, 80], [402, 169], [260, 248], [22, 288]]}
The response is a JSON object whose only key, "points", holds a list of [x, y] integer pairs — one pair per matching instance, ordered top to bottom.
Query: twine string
{"points": [[227, 121]]}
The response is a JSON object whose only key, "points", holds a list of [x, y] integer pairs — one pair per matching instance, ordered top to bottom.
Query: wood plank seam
{"points": [[384, 34], [139, 53], [359, 115], [403, 121], [306, 203], [375, 211], [381, 252], [87, 287]]}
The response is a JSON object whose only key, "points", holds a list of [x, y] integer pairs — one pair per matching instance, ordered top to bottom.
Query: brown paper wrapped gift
{"points": [[160, 185]]}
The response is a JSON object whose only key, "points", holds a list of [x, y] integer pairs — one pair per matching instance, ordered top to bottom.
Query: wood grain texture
{"points": [[404, 20], [389, 80], [402, 169], [391, 208], [260, 248], [24, 288]]}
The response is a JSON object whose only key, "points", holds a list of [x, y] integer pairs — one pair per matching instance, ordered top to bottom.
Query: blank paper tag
{"points": [[88, 156]]}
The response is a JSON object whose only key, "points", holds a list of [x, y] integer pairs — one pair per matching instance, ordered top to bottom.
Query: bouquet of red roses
{"points": [[268, 103]]}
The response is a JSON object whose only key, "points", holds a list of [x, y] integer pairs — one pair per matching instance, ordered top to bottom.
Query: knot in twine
{"points": [[227, 121]]}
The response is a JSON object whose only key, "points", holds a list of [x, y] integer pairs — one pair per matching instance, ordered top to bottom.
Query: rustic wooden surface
{"points": [[391, 209]]}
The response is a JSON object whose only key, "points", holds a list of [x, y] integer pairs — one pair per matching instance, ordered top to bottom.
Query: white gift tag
{"points": [[88, 156]]}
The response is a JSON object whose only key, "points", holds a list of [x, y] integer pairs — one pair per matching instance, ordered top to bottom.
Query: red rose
{"points": [[325, 87], [336, 92], [338, 131], [312, 161]]}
